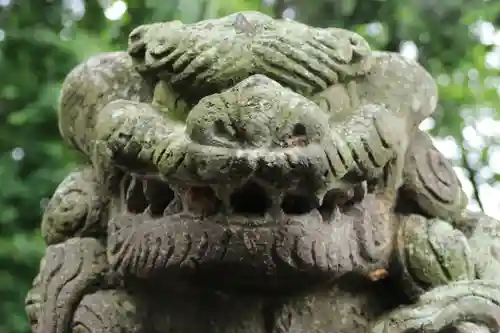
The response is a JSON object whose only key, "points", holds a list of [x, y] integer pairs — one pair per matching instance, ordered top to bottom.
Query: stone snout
{"points": [[257, 113], [282, 138]]}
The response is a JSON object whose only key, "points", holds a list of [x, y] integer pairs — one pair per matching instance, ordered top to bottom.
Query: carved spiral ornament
{"points": [[434, 168], [431, 181], [75, 208]]}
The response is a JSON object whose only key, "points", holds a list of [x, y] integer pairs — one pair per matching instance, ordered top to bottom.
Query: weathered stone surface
{"points": [[251, 175], [430, 181], [76, 208], [432, 253], [68, 271]]}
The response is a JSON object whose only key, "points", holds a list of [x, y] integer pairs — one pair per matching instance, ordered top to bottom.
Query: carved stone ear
{"points": [[89, 87], [430, 181]]}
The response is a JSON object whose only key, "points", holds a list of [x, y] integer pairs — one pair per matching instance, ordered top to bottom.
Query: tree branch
{"points": [[279, 7], [472, 176]]}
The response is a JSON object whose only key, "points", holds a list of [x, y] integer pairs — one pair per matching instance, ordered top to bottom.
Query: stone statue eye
{"points": [[299, 130]]}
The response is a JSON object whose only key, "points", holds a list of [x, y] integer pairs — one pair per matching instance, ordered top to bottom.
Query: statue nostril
{"points": [[221, 129], [299, 130], [298, 136]]}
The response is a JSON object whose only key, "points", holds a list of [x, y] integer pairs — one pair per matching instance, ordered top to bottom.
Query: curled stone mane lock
{"points": [[252, 175]]}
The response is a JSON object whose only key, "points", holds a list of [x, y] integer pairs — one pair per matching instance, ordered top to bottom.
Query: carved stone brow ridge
{"points": [[209, 56]]}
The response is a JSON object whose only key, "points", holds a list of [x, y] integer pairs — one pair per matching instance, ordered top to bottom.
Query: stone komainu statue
{"points": [[251, 175]]}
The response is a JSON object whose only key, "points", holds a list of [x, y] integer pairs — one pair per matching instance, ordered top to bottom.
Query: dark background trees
{"points": [[458, 41]]}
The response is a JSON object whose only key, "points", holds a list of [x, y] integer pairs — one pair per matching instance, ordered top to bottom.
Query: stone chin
{"points": [[258, 245]]}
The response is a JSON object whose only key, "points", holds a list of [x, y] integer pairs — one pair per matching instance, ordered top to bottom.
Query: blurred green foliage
{"points": [[41, 40]]}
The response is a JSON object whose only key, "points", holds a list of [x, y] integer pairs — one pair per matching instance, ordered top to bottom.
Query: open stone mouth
{"points": [[250, 205], [266, 240]]}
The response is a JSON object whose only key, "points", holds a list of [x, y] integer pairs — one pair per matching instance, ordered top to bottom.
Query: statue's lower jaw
{"points": [[231, 252]]}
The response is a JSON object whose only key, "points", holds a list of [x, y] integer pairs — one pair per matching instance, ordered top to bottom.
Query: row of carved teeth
{"points": [[157, 198]]}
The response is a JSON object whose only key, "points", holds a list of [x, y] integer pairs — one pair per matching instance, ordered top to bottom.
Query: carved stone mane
{"points": [[252, 175]]}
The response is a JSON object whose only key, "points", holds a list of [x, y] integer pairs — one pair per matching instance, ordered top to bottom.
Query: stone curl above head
{"points": [[252, 175]]}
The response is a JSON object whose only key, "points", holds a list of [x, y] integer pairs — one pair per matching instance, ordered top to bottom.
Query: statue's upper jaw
{"points": [[251, 149], [250, 205], [252, 240]]}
